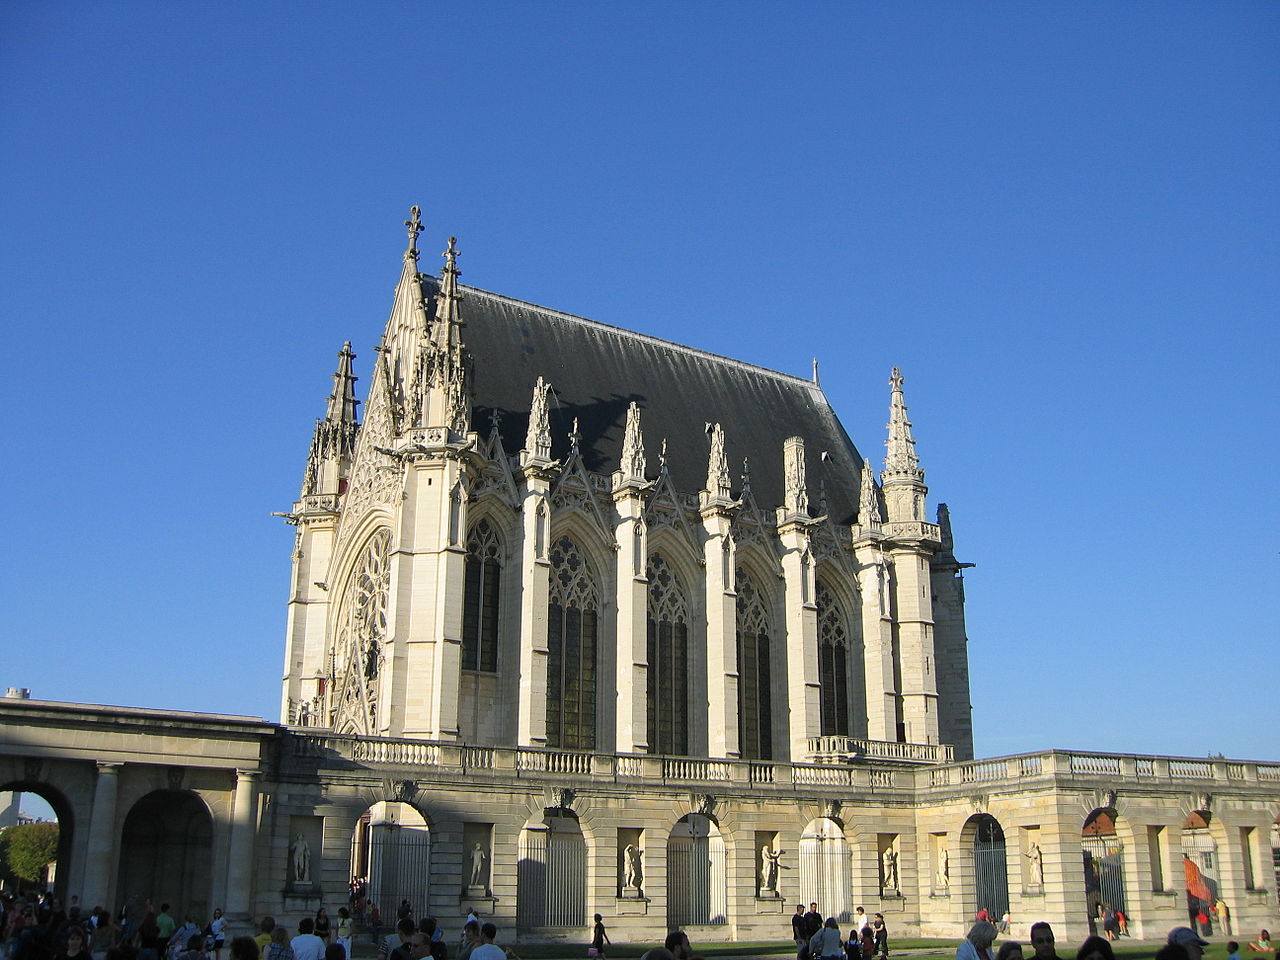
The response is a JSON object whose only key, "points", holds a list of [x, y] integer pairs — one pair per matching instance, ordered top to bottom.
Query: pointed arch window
{"points": [[480, 600], [572, 616], [361, 635], [833, 665], [668, 683], [755, 738]]}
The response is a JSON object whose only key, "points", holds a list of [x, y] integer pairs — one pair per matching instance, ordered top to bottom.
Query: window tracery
{"points": [[481, 599], [572, 619], [360, 637], [668, 657], [833, 668], [755, 738]]}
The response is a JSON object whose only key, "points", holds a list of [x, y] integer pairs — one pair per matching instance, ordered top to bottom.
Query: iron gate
{"points": [[396, 860], [990, 868], [1104, 873], [824, 875], [551, 880], [696, 892]]}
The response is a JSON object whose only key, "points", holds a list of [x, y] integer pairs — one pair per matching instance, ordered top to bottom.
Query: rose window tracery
{"points": [[361, 636]]}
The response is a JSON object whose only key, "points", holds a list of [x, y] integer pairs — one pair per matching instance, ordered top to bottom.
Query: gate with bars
{"points": [[396, 861], [990, 868], [1104, 873], [824, 875], [551, 878], [696, 891]]}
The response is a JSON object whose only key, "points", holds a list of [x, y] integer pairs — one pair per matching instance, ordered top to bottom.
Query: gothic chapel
{"points": [[550, 532], [583, 621]]}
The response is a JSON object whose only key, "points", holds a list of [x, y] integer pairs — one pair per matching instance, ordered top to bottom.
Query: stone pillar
{"points": [[534, 550], [913, 613], [801, 623], [722, 626], [877, 641], [632, 674], [244, 825], [101, 849]]}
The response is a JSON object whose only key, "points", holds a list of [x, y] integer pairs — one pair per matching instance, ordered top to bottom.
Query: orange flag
{"points": [[1197, 886]]}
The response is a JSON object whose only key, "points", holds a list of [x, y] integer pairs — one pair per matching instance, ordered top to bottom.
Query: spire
{"points": [[448, 316], [406, 331], [342, 402], [575, 438], [537, 442], [333, 443], [633, 460], [900, 462], [718, 466], [795, 498], [868, 503]]}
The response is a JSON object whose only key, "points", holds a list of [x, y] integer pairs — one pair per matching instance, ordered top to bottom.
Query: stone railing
{"points": [[850, 750], [859, 765], [1105, 766]]}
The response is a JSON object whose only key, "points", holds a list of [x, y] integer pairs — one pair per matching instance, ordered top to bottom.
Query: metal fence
{"points": [[396, 860], [990, 868], [824, 875], [551, 880], [696, 888]]}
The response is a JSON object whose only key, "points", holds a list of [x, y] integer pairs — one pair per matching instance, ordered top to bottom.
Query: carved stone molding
{"points": [[32, 768], [175, 777], [562, 798], [704, 803]]}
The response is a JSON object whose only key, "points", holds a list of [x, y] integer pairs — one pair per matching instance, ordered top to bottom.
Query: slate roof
{"points": [[596, 370]]}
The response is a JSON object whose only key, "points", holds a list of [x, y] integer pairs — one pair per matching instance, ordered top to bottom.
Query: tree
{"points": [[29, 848]]}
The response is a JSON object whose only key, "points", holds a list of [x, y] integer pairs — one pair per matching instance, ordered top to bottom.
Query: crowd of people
{"points": [[38, 927]]}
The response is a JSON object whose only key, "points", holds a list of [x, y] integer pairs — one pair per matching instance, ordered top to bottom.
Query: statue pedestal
{"points": [[477, 892], [630, 893], [767, 893], [631, 904]]}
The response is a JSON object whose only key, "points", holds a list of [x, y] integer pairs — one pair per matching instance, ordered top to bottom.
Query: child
{"points": [[1233, 950]]}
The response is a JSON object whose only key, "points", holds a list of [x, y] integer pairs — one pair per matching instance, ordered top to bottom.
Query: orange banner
{"points": [[1197, 886]]}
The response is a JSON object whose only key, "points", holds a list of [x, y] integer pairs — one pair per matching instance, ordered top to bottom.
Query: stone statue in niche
{"points": [[478, 858], [300, 860], [1035, 864], [769, 868], [632, 869], [889, 869], [943, 879]]}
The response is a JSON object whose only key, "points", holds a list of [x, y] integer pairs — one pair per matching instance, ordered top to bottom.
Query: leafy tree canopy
{"points": [[30, 847]]}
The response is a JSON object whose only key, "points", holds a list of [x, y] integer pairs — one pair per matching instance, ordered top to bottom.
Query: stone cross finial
{"points": [[414, 223], [575, 437], [538, 439], [662, 457], [633, 461], [718, 466], [796, 495]]}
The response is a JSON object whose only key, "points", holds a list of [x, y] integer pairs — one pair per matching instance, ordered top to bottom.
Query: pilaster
{"points": [[535, 567], [874, 582], [632, 601], [721, 606], [100, 858], [240, 860]]}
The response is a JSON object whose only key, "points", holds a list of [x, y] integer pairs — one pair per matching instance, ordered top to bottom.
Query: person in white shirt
{"points": [[306, 945]]}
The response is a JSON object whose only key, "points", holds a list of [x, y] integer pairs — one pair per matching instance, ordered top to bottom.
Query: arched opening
{"points": [[833, 664], [755, 684], [37, 818], [166, 853], [390, 860], [990, 866], [825, 868], [1200, 868], [1103, 872], [551, 875], [697, 894]]}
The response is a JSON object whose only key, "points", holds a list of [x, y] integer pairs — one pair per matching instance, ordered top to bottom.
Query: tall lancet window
{"points": [[480, 599], [571, 650], [668, 661], [833, 665], [755, 737]]}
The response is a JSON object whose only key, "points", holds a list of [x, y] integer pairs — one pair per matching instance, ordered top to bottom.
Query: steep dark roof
{"points": [[596, 370]]}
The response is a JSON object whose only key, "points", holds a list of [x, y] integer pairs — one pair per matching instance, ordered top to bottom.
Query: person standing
{"points": [[812, 922], [165, 924], [322, 925], [798, 926], [345, 930], [217, 933], [882, 936], [977, 942], [825, 944], [306, 945]]}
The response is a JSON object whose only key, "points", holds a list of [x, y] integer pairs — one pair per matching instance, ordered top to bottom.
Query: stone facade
{"points": [[550, 652]]}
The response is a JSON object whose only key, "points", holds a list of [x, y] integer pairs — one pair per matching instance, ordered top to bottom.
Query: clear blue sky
{"points": [[1059, 219]]}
